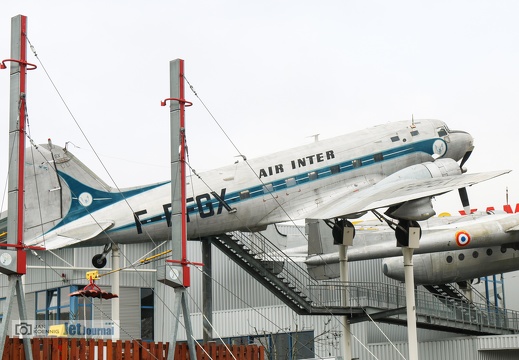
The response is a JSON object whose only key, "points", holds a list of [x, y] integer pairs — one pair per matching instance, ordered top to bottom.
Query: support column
{"points": [[347, 240], [407, 251], [13, 262], [207, 291], [116, 316], [346, 327]]}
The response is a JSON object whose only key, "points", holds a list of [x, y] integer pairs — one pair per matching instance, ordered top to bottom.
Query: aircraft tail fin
{"points": [[54, 177], [60, 189]]}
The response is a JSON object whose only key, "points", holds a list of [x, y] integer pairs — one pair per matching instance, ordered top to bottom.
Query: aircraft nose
{"points": [[458, 144]]}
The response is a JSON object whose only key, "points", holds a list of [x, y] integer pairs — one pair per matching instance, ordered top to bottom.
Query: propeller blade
{"points": [[465, 158], [464, 200]]}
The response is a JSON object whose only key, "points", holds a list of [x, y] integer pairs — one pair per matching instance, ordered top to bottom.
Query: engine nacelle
{"points": [[427, 170], [420, 209]]}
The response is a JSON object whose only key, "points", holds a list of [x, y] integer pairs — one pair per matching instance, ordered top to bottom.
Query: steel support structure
{"points": [[407, 251], [13, 262], [176, 272]]}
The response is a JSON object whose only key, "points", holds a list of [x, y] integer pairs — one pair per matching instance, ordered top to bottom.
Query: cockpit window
{"points": [[442, 131]]}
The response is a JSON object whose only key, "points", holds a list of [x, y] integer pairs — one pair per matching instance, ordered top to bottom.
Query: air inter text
{"points": [[297, 163]]}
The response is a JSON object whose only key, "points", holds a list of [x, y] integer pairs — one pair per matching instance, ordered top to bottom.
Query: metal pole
{"points": [[17, 115], [15, 261], [344, 276], [207, 291], [410, 303], [116, 316]]}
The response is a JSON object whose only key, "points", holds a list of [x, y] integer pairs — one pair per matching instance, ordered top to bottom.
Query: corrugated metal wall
{"points": [[45, 270], [243, 307], [460, 348]]}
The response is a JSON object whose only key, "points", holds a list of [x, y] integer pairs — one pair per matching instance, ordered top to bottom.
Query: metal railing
{"points": [[279, 263], [326, 295], [428, 307]]}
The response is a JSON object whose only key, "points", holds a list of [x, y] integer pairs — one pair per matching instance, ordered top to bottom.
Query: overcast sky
{"points": [[272, 73]]}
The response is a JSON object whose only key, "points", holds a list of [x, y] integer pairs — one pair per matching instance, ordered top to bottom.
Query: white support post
{"points": [[347, 240], [407, 251], [116, 316]]}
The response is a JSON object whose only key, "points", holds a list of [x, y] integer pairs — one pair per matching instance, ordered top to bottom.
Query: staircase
{"points": [[277, 272], [455, 299], [447, 310]]}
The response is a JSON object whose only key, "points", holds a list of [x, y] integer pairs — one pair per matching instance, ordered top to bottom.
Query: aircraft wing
{"points": [[393, 193], [76, 235]]}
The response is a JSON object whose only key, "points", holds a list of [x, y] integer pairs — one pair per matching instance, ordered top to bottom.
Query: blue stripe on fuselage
{"points": [[232, 198]]}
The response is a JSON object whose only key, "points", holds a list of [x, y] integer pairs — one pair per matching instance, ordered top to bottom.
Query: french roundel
{"points": [[462, 238]]}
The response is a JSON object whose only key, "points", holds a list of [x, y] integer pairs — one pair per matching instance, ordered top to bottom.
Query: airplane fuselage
{"points": [[284, 186]]}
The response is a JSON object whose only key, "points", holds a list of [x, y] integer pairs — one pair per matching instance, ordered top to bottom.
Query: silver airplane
{"points": [[399, 166], [452, 248]]}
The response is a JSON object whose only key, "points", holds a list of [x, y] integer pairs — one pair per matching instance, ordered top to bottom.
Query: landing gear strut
{"points": [[338, 230], [402, 231], [99, 260]]}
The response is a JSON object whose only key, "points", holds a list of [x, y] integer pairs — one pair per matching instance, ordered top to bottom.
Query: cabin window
{"points": [[442, 132], [414, 133], [395, 138], [378, 157], [356, 163], [335, 169], [312, 175], [290, 182], [268, 188], [245, 194], [489, 252], [475, 254], [461, 257], [449, 259]]}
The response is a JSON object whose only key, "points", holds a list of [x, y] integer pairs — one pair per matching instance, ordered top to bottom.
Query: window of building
{"points": [[2, 304], [53, 305], [147, 312], [288, 346]]}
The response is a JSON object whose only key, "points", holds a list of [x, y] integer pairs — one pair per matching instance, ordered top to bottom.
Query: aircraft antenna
{"points": [[315, 136]]}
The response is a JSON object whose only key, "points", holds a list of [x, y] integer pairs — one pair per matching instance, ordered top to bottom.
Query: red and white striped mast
{"points": [[12, 255]]}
